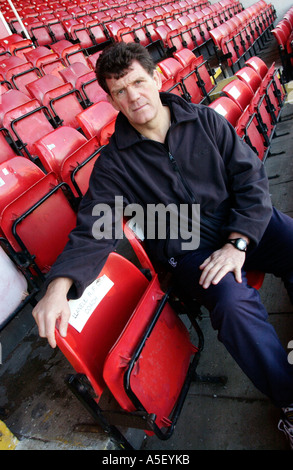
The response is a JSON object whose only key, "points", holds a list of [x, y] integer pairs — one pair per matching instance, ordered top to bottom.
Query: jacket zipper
{"points": [[182, 179]]}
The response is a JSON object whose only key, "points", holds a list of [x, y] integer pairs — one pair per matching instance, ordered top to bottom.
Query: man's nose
{"points": [[133, 93]]}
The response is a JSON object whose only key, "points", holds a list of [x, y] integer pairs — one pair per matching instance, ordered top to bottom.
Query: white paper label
{"points": [[81, 309]]}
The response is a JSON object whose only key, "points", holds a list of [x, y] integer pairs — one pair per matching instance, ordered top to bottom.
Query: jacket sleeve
{"points": [[251, 206], [96, 234]]}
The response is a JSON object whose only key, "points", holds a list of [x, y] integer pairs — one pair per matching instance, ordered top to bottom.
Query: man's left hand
{"points": [[215, 267]]}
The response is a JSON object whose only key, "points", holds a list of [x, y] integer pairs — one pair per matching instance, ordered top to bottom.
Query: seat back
{"points": [[257, 64], [250, 77], [239, 92], [10, 100], [227, 108], [93, 119], [28, 123], [247, 129], [53, 148], [76, 169], [17, 176], [39, 221], [87, 349]]}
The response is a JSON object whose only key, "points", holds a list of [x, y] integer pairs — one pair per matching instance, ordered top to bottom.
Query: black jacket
{"points": [[203, 161]]}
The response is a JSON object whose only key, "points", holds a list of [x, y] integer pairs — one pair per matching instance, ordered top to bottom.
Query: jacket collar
{"points": [[181, 111]]}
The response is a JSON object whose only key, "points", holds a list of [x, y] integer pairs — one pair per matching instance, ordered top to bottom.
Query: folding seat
{"points": [[57, 31], [98, 32], [81, 34], [40, 35], [140, 35], [16, 45], [65, 50], [41, 56], [92, 59], [257, 64], [13, 65], [171, 68], [73, 72], [270, 75], [250, 77], [22, 79], [84, 79], [239, 92], [12, 99], [64, 101], [227, 108], [98, 120], [27, 123], [247, 129], [67, 153], [76, 169], [39, 214], [143, 348]]}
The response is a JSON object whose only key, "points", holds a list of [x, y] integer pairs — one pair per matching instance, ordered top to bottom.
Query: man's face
{"points": [[136, 95]]}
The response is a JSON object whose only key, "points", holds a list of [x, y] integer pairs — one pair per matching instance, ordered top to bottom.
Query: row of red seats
{"points": [[59, 20], [147, 26], [243, 33], [283, 33], [188, 76], [252, 103]]}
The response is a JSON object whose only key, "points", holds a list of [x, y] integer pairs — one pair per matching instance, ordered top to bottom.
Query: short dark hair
{"points": [[116, 59]]}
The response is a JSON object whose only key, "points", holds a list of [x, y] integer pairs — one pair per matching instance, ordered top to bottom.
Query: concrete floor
{"points": [[41, 413]]}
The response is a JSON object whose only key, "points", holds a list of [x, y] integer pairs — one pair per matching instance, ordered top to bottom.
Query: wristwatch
{"points": [[239, 243]]}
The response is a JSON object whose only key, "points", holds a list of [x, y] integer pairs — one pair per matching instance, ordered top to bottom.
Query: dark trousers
{"points": [[239, 316]]}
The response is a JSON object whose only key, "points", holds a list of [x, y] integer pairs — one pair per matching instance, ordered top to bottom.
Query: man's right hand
{"points": [[53, 308]]}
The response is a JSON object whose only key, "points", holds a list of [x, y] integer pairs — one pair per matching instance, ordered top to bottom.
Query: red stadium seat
{"points": [[63, 99], [227, 108], [97, 117], [27, 123], [37, 216], [165, 358]]}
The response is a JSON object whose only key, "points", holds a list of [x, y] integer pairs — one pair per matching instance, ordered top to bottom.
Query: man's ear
{"points": [[158, 78], [112, 102]]}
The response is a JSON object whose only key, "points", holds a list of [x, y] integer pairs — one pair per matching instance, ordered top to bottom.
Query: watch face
{"points": [[241, 244]]}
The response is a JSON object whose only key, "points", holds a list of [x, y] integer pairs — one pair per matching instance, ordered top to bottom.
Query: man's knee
{"points": [[232, 304]]}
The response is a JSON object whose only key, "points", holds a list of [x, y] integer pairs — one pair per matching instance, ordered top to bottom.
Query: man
{"points": [[165, 150]]}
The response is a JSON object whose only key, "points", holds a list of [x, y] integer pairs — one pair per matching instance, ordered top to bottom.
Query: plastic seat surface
{"points": [[40, 55], [257, 64], [74, 71], [249, 76], [38, 88], [238, 91], [10, 100], [227, 108], [95, 117], [27, 123], [247, 129], [53, 148], [76, 169], [17, 175], [53, 219], [87, 350], [160, 370]]}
